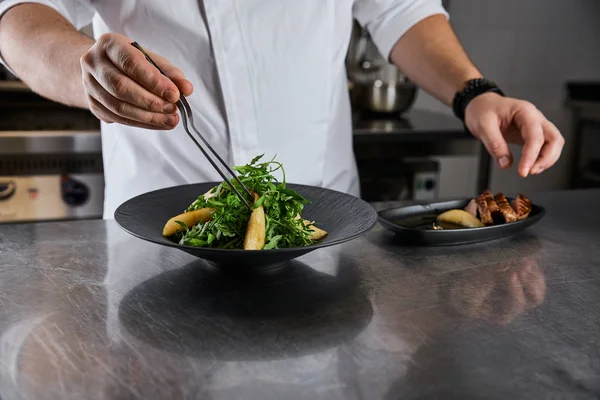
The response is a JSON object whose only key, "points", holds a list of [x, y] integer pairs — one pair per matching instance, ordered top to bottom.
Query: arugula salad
{"points": [[219, 219]]}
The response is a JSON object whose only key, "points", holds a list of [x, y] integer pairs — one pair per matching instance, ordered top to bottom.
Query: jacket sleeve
{"points": [[78, 12], [388, 20]]}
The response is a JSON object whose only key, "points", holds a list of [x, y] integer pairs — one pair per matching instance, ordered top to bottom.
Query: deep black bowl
{"points": [[343, 216], [391, 219]]}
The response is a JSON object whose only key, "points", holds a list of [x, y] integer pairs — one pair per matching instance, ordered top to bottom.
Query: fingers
{"points": [[132, 63], [175, 74], [120, 86], [130, 89], [128, 110], [108, 116], [529, 121], [489, 133], [551, 149]]}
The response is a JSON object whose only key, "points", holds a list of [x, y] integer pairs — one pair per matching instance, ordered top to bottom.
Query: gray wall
{"points": [[530, 47]]}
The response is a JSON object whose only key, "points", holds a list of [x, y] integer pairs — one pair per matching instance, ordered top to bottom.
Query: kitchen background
{"points": [[531, 48], [50, 160]]}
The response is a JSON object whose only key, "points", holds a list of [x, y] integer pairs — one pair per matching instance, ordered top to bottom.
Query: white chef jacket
{"points": [[269, 77]]}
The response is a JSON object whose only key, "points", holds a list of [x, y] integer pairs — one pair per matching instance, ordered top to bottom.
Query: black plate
{"points": [[343, 216], [415, 235]]}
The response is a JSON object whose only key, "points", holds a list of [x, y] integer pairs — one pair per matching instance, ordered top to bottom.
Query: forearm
{"points": [[44, 49], [433, 58]]}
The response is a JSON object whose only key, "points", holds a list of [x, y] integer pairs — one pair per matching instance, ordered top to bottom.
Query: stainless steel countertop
{"points": [[88, 312]]}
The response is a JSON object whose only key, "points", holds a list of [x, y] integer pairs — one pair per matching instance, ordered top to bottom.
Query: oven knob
{"points": [[429, 184], [7, 189], [74, 193]]}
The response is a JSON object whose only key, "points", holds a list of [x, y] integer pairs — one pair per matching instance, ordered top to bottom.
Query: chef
{"points": [[262, 77]]}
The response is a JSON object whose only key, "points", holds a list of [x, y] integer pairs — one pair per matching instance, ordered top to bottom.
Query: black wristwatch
{"points": [[474, 88]]}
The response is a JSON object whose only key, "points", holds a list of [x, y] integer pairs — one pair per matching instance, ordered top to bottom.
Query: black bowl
{"points": [[343, 216], [392, 219]]}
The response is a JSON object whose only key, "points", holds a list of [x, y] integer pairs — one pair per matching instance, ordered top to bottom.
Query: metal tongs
{"points": [[188, 121]]}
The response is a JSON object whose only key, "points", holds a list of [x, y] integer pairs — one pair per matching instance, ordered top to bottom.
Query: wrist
{"points": [[473, 89], [478, 105]]}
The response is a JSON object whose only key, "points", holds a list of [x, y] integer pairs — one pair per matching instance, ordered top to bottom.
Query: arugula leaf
{"points": [[255, 159], [229, 221], [182, 224]]}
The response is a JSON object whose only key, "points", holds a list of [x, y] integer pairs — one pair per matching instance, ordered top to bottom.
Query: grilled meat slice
{"points": [[489, 199], [522, 206], [487, 207], [471, 208], [484, 211], [507, 211]]}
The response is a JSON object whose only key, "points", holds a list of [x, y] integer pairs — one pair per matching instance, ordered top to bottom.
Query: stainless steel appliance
{"points": [[375, 84], [423, 156], [50, 159], [50, 176], [405, 179]]}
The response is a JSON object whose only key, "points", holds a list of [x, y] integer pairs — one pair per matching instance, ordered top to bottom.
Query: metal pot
{"points": [[376, 85], [381, 97]]}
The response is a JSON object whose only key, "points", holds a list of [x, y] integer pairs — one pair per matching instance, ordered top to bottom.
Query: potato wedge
{"points": [[189, 218], [460, 218], [256, 231], [317, 233]]}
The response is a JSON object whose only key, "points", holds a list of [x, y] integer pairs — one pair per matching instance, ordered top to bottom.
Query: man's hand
{"points": [[432, 57], [122, 86], [498, 120]]}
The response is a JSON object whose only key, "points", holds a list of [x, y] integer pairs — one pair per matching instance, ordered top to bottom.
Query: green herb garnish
{"points": [[229, 221]]}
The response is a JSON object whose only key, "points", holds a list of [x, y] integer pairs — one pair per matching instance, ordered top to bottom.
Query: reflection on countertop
{"points": [[90, 312]]}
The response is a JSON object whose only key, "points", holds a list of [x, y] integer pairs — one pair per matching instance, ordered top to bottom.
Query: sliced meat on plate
{"points": [[489, 199], [522, 206], [471, 208], [507, 211], [484, 212]]}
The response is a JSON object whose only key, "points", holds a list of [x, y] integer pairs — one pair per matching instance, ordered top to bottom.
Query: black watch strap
{"points": [[474, 88]]}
